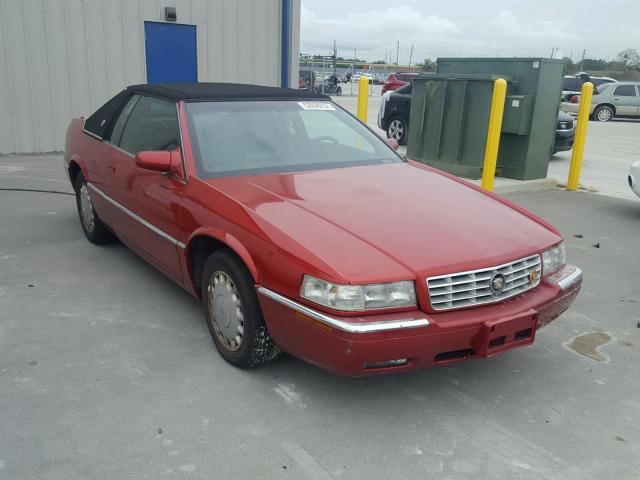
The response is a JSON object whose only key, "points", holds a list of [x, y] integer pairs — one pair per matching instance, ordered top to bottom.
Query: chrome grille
{"points": [[466, 289]]}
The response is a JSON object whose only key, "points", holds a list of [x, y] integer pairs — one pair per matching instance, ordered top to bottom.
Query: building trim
{"points": [[285, 69]]}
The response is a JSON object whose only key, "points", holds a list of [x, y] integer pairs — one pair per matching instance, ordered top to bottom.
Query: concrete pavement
{"points": [[107, 370]]}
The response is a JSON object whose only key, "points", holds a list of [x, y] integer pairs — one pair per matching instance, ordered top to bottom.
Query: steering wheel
{"points": [[326, 138]]}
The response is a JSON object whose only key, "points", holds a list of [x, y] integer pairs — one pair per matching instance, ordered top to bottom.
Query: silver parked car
{"points": [[611, 100]]}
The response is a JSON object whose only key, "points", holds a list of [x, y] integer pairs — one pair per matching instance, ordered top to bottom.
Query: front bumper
{"points": [[564, 140], [385, 343]]}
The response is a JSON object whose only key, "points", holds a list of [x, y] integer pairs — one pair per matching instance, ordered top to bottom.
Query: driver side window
{"points": [[152, 125]]}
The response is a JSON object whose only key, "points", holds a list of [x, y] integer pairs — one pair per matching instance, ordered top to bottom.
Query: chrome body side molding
{"points": [[137, 217]]}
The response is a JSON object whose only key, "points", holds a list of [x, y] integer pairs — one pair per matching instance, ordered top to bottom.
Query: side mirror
{"points": [[393, 143], [159, 161]]}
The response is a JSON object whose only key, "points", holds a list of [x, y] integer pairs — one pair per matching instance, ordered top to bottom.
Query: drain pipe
{"points": [[285, 43]]}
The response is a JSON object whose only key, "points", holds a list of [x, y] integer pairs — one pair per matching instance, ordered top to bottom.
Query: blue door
{"points": [[171, 52]]}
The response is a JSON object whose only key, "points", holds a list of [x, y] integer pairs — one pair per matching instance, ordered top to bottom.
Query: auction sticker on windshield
{"points": [[316, 106]]}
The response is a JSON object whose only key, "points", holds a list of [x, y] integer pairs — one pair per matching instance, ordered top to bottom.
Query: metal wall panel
{"points": [[61, 59]]}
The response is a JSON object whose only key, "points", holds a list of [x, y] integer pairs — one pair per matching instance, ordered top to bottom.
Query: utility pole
{"points": [[397, 51], [335, 53], [410, 55], [582, 60]]}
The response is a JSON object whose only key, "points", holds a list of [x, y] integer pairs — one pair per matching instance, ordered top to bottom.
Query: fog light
{"points": [[387, 364]]}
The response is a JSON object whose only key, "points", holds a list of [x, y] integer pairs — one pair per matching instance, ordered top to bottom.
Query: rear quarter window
{"points": [[571, 84]]}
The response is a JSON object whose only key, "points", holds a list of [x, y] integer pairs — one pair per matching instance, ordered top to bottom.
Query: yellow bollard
{"points": [[363, 98], [584, 111], [493, 134]]}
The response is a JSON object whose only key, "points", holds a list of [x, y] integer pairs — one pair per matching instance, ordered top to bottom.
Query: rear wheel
{"points": [[603, 113], [397, 129], [93, 228], [233, 314]]}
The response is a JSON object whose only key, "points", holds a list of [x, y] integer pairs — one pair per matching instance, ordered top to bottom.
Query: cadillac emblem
{"points": [[497, 283]]}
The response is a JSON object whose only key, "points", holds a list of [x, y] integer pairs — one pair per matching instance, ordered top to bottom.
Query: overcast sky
{"points": [[470, 27]]}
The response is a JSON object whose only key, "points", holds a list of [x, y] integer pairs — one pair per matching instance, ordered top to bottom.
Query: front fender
{"points": [[229, 240]]}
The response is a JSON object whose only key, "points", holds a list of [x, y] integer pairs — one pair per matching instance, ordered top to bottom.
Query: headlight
{"points": [[554, 259], [358, 297]]}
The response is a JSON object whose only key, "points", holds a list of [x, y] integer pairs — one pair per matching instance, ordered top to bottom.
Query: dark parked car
{"points": [[395, 111], [565, 133]]}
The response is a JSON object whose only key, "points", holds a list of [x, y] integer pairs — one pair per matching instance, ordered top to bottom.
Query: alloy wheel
{"points": [[604, 115], [396, 130]]}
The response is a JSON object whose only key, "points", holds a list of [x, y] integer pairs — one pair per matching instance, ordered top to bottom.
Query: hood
{"points": [[565, 117], [384, 222]]}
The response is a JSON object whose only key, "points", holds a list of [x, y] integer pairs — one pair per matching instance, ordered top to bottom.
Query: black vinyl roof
{"points": [[220, 91], [99, 123]]}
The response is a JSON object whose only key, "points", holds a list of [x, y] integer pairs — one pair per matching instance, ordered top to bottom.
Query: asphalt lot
{"points": [[610, 149], [107, 370]]}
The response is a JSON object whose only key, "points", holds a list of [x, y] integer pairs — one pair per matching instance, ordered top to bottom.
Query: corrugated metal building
{"points": [[61, 59]]}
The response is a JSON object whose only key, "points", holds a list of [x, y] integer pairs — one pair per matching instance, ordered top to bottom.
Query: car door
{"points": [[625, 99], [404, 101], [146, 204]]}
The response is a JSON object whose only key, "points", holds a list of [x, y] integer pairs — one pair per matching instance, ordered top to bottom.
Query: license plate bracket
{"points": [[497, 336]]}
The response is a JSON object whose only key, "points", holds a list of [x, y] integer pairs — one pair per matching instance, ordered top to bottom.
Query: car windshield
{"points": [[255, 137]]}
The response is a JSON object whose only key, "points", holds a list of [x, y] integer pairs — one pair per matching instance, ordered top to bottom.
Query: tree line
{"points": [[628, 59]]}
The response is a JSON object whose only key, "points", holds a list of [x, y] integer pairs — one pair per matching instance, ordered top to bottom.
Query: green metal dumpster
{"points": [[531, 109], [449, 121]]}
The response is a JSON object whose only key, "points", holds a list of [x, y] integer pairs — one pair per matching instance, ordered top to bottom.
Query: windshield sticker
{"points": [[316, 106]]}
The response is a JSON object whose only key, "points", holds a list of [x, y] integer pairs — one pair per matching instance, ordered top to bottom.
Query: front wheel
{"points": [[603, 113], [398, 130], [233, 313]]}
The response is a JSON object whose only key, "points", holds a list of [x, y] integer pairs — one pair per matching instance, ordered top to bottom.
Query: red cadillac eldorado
{"points": [[302, 231]]}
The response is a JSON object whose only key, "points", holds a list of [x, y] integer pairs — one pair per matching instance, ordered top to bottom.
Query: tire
{"points": [[603, 113], [398, 129], [93, 228], [227, 289]]}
